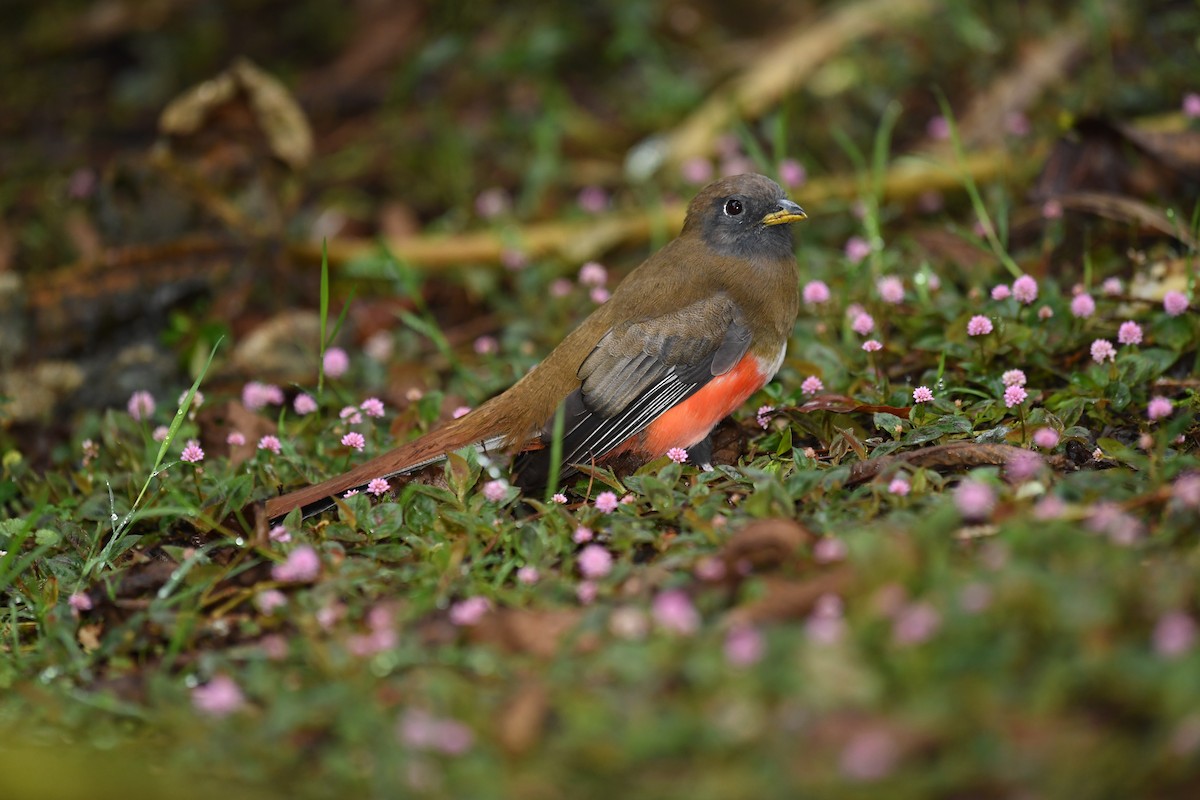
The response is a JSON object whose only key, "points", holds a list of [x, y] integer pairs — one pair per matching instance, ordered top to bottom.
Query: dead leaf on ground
{"points": [[216, 422], [952, 457], [766, 544], [789, 598], [539, 632], [522, 720]]}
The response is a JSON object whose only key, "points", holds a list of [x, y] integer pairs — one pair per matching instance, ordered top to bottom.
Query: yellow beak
{"points": [[787, 212]]}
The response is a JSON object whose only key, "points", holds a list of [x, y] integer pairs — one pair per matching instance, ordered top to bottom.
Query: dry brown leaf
{"points": [[952, 457], [766, 544], [788, 598], [519, 630], [89, 637], [522, 720]]}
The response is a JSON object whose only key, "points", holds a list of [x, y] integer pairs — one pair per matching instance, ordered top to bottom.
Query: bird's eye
{"points": [[733, 207]]}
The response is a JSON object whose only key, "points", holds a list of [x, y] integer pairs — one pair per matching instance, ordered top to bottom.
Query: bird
{"points": [[680, 344]]}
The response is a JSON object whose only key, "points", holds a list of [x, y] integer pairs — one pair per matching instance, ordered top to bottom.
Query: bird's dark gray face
{"points": [[747, 216]]}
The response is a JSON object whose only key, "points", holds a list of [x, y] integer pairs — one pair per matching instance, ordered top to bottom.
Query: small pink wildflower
{"points": [[1191, 105], [1017, 124], [938, 128], [696, 170], [792, 173], [592, 199], [930, 201], [492, 202], [1052, 209], [857, 248], [593, 274], [560, 287], [1111, 287], [891, 289], [1025, 289], [1001, 292], [815, 293], [599, 295], [1175, 303], [1082, 305], [1045, 313], [863, 324], [979, 325], [1130, 333], [486, 345], [872, 345], [1102, 349], [336, 362], [1013, 377], [811, 385], [922, 394], [1014, 396], [304, 404], [141, 405], [372, 407], [1159, 407], [459, 412], [351, 415], [764, 416], [160, 433], [1045, 438], [235, 439], [355, 440], [270, 443], [90, 450], [192, 453], [677, 454], [1023, 465], [378, 486], [899, 487], [1186, 490], [495, 491], [350, 493], [559, 498], [974, 500], [606, 502], [278, 533], [582, 534], [829, 549], [594, 561], [302, 566], [709, 569], [528, 575], [586, 592], [270, 600], [78, 601], [673, 610], [469, 611], [915, 623], [826, 624], [1174, 634], [744, 646], [220, 697], [420, 730], [870, 755]]}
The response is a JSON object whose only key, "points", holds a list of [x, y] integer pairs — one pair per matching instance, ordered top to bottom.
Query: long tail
{"points": [[429, 449]]}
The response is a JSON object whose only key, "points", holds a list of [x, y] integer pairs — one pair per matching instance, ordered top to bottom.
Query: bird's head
{"points": [[744, 216]]}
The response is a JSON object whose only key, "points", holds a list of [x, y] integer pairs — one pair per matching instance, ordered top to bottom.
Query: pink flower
{"points": [[1191, 105], [1016, 124], [938, 128], [696, 170], [792, 173], [592, 199], [930, 201], [492, 202], [1052, 209], [857, 248], [514, 260], [593, 274], [560, 287], [1111, 287], [891, 289], [1025, 289], [816, 292], [1001, 292], [599, 295], [1174, 303], [1082, 305], [1045, 313], [863, 324], [979, 325], [1129, 333], [486, 345], [872, 345], [1102, 349], [335, 362], [1013, 377], [811, 385], [922, 394], [256, 395], [1014, 396], [197, 399], [304, 404], [141, 405], [372, 407], [1159, 407], [461, 411], [350, 415], [764, 416], [160, 433], [1045, 438], [235, 439], [354, 439], [270, 443], [91, 451], [192, 453], [677, 454], [1023, 465], [378, 486], [900, 487], [1186, 490], [495, 491], [560, 498], [974, 500], [606, 502], [1049, 507], [1108, 518], [278, 533], [582, 534], [829, 549], [594, 561], [302, 566], [709, 569], [528, 575], [586, 592], [974, 598], [270, 600], [78, 601], [673, 610], [469, 611], [916, 623], [825, 625], [1174, 634], [744, 646], [219, 697], [420, 730], [869, 756]]}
